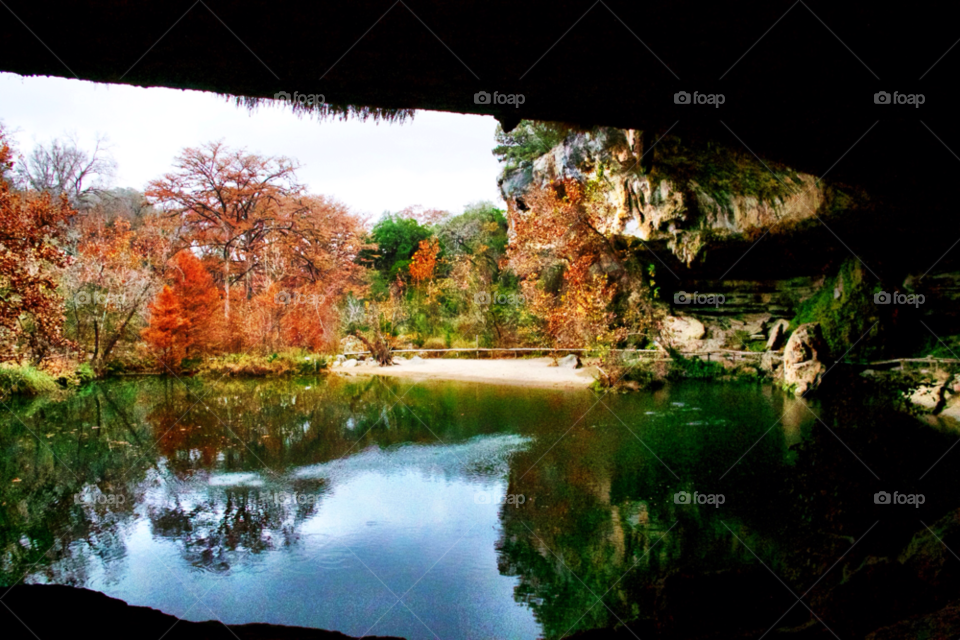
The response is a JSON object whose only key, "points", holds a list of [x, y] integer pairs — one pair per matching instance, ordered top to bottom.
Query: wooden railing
{"points": [[727, 354]]}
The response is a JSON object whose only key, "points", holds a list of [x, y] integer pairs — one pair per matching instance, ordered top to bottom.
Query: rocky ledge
{"points": [[54, 611]]}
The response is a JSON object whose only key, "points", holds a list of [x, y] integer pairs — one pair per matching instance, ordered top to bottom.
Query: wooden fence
{"points": [[651, 354], [657, 354]]}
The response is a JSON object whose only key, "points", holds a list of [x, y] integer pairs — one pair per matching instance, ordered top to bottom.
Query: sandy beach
{"points": [[529, 372]]}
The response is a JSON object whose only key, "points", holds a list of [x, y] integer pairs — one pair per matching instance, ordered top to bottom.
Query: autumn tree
{"points": [[63, 167], [229, 204], [424, 216], [32, 227], [424, 261], [307, 269], [116, 272], [574, 275], [198, 299], [184, 321], [165, 335]]}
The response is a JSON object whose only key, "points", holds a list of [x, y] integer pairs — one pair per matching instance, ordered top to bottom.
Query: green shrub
{"points": [[848, 319], [298, 361], [694, 368], [85, 373], [25, 380]]}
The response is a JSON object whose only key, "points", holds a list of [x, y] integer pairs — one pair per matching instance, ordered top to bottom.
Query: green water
{"points": [[385, 507]]}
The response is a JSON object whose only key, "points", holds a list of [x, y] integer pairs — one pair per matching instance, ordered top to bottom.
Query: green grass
{"points": [[289, 361], [695, 368], [25, 380]]}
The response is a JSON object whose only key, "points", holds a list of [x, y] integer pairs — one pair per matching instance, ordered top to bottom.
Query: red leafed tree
{"points": [[229, 205], [424, 216], [32, 229], [560, 233], [424, 260], [114, 276], [198, 299], [183, 319], [165, 335]]}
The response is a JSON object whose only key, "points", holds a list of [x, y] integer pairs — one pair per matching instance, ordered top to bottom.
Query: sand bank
{"points": [[529, 372]]}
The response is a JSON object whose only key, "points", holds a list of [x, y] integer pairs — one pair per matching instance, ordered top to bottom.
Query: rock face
{"points": [[655, 208], [683, 330], [777, 334], [805, 359], [571, 361], [929, 397], [92, 614]]}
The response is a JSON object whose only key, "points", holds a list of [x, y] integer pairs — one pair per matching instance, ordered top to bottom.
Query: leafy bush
{"points": [[528, 141], [848, 319], [244, 364], [694, 368], [85, 373], [25, 380]]}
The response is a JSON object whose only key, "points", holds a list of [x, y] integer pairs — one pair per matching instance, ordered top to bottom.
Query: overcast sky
{"points": [[439, 160]]}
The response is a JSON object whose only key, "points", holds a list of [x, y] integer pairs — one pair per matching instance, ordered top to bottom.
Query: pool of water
{"points": [[428, 509]]}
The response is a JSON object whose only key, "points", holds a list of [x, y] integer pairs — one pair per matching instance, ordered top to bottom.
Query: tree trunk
{"points": [[226, 286], [378, 348]]}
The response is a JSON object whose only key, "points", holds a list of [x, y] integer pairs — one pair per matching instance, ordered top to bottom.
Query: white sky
{"points": [[439, 160]]}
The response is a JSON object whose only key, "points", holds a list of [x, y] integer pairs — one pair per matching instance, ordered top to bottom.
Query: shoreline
{"points": [[527, 372]]}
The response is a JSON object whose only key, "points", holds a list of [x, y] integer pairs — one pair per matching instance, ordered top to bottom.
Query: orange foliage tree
{"points": [[229, 204], [560, 234], [31, 257], [283, 258], [424, 260], [116, 272], [199, 300], [183, 318], [165, 333]]}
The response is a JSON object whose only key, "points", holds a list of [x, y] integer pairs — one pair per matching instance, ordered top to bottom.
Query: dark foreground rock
{"points": [[54, 611]]}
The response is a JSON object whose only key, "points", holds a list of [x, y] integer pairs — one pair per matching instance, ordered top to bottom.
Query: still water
{"points": [[387, 507]]}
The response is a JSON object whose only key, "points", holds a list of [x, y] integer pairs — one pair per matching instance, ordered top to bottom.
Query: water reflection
{"points": [[450, 509]]}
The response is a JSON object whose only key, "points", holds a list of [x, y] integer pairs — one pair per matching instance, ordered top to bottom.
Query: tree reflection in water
{"points": [[229, 473]]}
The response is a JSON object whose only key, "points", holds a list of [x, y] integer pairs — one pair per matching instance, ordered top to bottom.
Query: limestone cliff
{"points": [[670, 194]]}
